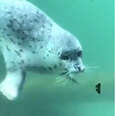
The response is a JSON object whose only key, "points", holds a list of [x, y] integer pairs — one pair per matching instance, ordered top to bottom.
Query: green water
{"points": [[92, 21]]}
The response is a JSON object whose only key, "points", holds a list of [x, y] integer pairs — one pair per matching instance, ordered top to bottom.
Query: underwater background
{"points": [[92, 21]]}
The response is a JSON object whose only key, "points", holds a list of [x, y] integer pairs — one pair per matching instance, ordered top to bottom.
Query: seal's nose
{"points": [[81, 68]]}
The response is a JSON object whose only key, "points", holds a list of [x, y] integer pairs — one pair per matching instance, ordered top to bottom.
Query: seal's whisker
{"points": [[91, 68], [63, 73], [69, 77], [60, 79], [65, 82]]}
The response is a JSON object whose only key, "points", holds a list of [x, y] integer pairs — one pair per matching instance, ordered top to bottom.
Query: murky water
{"points": [[92, 21]]}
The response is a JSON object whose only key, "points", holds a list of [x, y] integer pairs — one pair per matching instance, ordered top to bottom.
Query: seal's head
{"points": [[71, 54]]}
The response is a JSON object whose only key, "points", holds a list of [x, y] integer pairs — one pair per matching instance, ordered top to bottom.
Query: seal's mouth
{"points": [[68, 74]]}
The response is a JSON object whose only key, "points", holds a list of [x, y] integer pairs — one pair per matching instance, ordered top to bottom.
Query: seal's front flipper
{"points": [[15, 74], [12, 84], [8, 90]]}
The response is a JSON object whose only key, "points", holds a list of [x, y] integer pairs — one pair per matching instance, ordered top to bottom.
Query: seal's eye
{"points": [[79, 53], [71, 55], [65, 56]]}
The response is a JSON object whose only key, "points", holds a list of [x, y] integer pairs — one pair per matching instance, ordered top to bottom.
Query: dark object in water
{"points": [[98, 88]]}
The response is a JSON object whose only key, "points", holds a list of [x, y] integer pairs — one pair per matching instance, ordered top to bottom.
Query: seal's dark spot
{"points": [[9, 12], [25, 15], [8, 25], [4, 29], [8, 34], [49, 36], [23, 38], [33, 39], [19, 43], [30, 46], [41, 47], [8, 48], [21, 50], [50, 51], [33, 52], [18, 53], [58, 53], [47, 55], [44, 58], [22, 61], [12, 62], [60, 64], [55, 66], [50, 68]]}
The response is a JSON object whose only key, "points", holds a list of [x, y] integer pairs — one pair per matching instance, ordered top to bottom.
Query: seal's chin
{"points": [[70, 73], [70, 77]]}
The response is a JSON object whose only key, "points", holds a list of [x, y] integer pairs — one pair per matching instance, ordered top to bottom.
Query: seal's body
{"points": [[29, 39]]}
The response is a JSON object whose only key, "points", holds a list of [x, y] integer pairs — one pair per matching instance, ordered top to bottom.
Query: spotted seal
{"points": [[29, 39]]}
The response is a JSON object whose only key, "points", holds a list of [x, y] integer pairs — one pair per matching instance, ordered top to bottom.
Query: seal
{"points": [[31, 40]]}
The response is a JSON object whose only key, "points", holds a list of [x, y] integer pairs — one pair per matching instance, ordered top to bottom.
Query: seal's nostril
{"points": [[79, 68]]}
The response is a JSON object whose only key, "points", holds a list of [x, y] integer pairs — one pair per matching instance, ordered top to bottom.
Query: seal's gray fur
{"points": [[29, 39]]}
